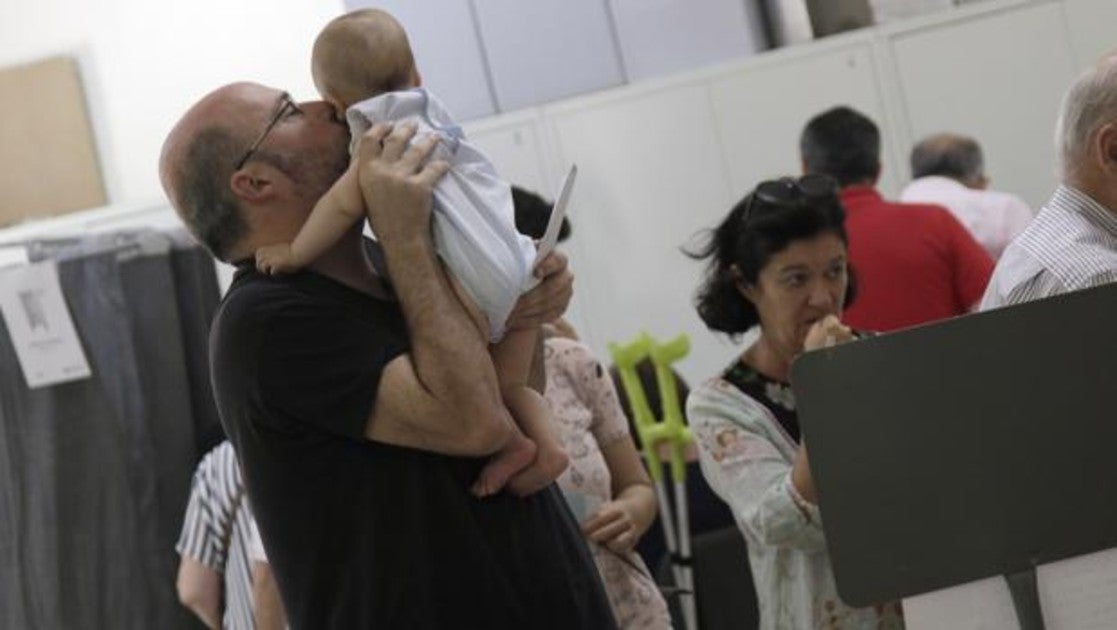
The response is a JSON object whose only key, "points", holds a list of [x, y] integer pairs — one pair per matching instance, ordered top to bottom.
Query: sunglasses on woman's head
{"points": [[789, 192]]}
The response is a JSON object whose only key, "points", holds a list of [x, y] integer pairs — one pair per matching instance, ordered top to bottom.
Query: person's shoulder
{"points": [[401, 105], [390, 107], [924, 188], [912, 189], [1001, 196], [1002, 201], [922, 210], [910, 214], [933, 219], [1068, 246], [1085, 266], [1096, 277], [253, 298], [258, 307], [567, 346], [568, 355], [711, 389], [717, 391], [717, 402], [219, 455], [219, 467]]}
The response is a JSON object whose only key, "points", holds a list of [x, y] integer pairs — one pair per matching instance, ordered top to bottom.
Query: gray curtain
{"points": [[94, 474]]}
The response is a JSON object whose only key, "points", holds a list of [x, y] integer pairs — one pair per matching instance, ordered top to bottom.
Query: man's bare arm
{"points": [[443, 396], [199, 589]]}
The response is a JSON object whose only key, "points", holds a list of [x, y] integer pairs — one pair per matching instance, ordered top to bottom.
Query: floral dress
{"points": [[589, 417], [748, 433]]}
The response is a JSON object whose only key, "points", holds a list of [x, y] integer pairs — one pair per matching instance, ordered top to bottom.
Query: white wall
{"points": [[144, 62]]}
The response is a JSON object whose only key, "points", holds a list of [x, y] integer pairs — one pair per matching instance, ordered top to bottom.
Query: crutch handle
{"points": [[626, 357]]}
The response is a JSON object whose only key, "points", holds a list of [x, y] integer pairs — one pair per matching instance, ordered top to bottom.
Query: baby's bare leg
{"points": [[512, 358]]}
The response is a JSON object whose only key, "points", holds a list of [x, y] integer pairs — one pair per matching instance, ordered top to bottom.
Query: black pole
{"points": [[1025, 599]]}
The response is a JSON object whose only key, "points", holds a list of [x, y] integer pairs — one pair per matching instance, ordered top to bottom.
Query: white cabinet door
{"points": [[1092, 31], [660, 37], [544, 50], [447, 51], [998, 78], [761, 110], [514, 146], [649, 177]]}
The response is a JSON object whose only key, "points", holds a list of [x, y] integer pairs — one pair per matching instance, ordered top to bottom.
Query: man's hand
{"points": [[396, 181], [549, 299], [826, 332]]}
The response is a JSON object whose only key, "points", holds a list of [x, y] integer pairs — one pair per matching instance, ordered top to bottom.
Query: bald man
{"points": [[949, 170], [363, 407]]}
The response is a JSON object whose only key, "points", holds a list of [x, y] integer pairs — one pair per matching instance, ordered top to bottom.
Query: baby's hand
{"points": [[275, 259]]}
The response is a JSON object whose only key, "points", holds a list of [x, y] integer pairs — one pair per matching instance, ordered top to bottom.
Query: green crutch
{"points": [[670, 430]]}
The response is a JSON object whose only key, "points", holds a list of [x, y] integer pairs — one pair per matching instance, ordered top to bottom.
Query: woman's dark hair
{"points": [[532, 214], [758, 227]]}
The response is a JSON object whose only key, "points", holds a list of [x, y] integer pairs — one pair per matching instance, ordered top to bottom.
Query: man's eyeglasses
{"points": [[286, 104], [788, 192]]}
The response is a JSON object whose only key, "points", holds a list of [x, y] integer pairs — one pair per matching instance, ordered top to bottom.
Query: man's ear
{"points": [[1105, 148], [252, 183]]}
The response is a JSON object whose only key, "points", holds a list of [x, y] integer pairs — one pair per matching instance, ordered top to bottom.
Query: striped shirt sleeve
{"points": [[214, 497]]}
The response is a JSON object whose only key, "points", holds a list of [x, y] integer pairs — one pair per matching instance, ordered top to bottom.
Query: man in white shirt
{"points": [[949, 170], [1072, 244]]}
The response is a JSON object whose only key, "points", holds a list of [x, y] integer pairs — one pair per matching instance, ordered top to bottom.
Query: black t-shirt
{"points": [[361, 534]]}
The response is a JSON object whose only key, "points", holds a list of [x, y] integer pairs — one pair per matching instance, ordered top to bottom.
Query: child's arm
{"points": [[334, 213]]}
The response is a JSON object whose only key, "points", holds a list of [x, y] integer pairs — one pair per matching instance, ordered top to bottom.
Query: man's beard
{"points": [[314, 171]]}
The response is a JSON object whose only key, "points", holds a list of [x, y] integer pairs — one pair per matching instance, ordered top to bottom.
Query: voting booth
{"points": [[977, 447]]}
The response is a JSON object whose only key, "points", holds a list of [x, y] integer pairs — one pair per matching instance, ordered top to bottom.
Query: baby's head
{"points": [[360, 55]]}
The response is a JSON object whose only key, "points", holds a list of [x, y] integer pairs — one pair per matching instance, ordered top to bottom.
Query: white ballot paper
{"points": [[558, 211], [40, 325], [1075, 594]]}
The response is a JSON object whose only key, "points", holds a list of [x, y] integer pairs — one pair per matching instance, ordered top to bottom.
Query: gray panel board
{"points": [[966, 449]]}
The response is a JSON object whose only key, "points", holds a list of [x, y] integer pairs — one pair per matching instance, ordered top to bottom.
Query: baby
{"points": [[363, 66]]}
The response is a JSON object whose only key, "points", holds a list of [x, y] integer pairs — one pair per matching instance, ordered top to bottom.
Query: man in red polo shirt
{"points": [[915, 263]]}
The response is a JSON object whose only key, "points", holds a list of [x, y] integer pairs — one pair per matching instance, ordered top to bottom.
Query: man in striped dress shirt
{"points": [[1072, 244], [214, 575]]}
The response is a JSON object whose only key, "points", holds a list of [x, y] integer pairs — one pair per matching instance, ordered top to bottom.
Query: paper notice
{"points": [[40, 325]]}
